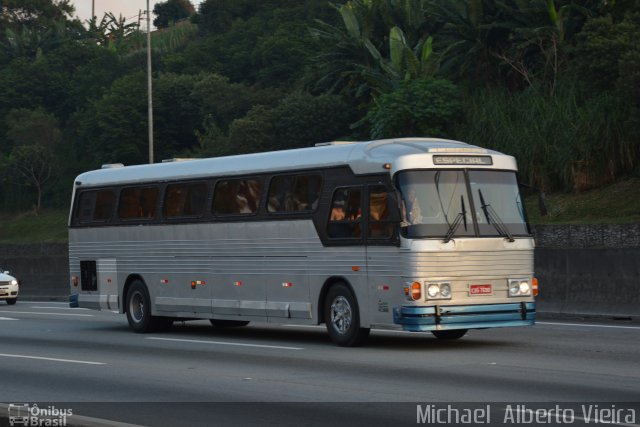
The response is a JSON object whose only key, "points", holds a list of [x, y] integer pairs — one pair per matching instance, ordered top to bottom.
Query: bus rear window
{"points": [[95, 206]]}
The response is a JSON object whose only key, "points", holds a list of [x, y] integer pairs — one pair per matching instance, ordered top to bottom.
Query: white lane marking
{"points": [[49, 302], [58, 308], [51, 314], [7, 318], [586, 325], [225, 343], [51, 359]]}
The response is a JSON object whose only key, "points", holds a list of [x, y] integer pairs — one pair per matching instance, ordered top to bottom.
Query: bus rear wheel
{"points": [[138, 308], [342, 317], [453, 334]]}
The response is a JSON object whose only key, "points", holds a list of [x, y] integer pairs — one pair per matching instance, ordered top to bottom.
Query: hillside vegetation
{"points": [[553, 82]]}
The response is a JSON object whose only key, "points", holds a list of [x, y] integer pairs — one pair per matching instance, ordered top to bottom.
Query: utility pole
{"points": [[93, 8], [149, 89]]}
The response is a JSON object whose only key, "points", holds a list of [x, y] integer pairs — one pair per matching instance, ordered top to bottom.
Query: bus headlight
{"points": [[519, 288], [433, 290], [439, 290]]}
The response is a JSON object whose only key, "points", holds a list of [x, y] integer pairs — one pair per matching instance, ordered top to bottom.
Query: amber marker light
{"points": [[355, 268], [534, 282], [416, 291]]}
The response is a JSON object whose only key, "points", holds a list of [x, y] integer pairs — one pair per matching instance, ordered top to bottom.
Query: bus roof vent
{"points": [[324, 144], [177, 159], [112, 165]]}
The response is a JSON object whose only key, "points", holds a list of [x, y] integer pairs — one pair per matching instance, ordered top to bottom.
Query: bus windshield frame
{"points": [[462, 203]]}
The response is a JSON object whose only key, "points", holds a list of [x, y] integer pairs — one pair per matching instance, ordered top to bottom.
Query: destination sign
{"points": [[463, 160]]}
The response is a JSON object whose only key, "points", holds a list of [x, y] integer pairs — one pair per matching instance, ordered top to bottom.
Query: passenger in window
{"points": [[353, 210], [337, 212], [411, 213]]}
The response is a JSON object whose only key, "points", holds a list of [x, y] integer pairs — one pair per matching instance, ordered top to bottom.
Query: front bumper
{"points": [[9, 291], [441, 317]]}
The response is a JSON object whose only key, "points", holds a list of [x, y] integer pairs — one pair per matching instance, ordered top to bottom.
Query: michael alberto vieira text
{"points": [[515, 414]]}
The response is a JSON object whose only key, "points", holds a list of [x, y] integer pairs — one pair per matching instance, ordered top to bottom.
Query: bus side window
{"points": [[294, 193], [236, 196], [196, 199], [173, 200], [185, 200], [105, 202], [138, 203], [84, 211], [345, 217], [380, 224]]}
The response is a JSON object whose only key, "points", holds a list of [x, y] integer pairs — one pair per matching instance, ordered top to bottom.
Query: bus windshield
{"points": [[461, 203]]}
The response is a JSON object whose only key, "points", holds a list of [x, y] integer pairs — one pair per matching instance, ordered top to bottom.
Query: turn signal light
{"points": [[534, 283], [416, 291]]}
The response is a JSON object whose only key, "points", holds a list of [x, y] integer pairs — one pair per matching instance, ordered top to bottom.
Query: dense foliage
{"points": [[554, 82]]}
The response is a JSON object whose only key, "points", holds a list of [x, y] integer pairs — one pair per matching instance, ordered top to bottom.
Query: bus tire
{"points": [[11, 301], [138, 308], [342, 317], [219, 323], [452, 334]]}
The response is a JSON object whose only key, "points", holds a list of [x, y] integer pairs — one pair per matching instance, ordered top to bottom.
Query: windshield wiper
{"points": [[461, 217], [494, 219]]}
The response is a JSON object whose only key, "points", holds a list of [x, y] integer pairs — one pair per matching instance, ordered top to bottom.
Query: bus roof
{"points": [[362, 157]]}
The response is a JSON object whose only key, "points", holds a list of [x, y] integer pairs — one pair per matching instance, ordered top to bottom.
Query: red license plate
{"points": [[480, 290]]}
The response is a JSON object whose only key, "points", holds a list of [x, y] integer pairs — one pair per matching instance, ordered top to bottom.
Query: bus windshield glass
{"points": [[461, 203]]}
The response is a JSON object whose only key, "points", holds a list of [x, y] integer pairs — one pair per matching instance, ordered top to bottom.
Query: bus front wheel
{"points": [[138, 310], [342, 317], [453, 334]]}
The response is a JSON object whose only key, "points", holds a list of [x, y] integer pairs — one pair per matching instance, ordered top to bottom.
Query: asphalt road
{"points": [[89, 362]]}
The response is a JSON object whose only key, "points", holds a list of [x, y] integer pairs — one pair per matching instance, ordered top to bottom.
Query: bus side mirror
{"points": [[542, 198]]}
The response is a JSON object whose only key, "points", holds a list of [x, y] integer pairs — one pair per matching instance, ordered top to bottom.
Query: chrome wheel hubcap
{"points": [[136, 307], [341, 315]]}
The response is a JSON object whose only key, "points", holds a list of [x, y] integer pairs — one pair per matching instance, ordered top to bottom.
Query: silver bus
{"points": [[415, 234]]}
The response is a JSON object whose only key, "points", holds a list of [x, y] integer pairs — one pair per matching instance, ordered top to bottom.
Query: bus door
{"points": [[383, 258]]}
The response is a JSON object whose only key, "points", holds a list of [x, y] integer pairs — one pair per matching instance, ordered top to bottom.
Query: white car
{"points": [[9, 287]]}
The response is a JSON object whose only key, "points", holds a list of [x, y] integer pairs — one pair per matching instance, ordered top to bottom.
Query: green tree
{"points": [[171, 11], [32, 27], [601, 46], [424, 107], [302, 120], [113, 129], [249, 134], [36, 137]]}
